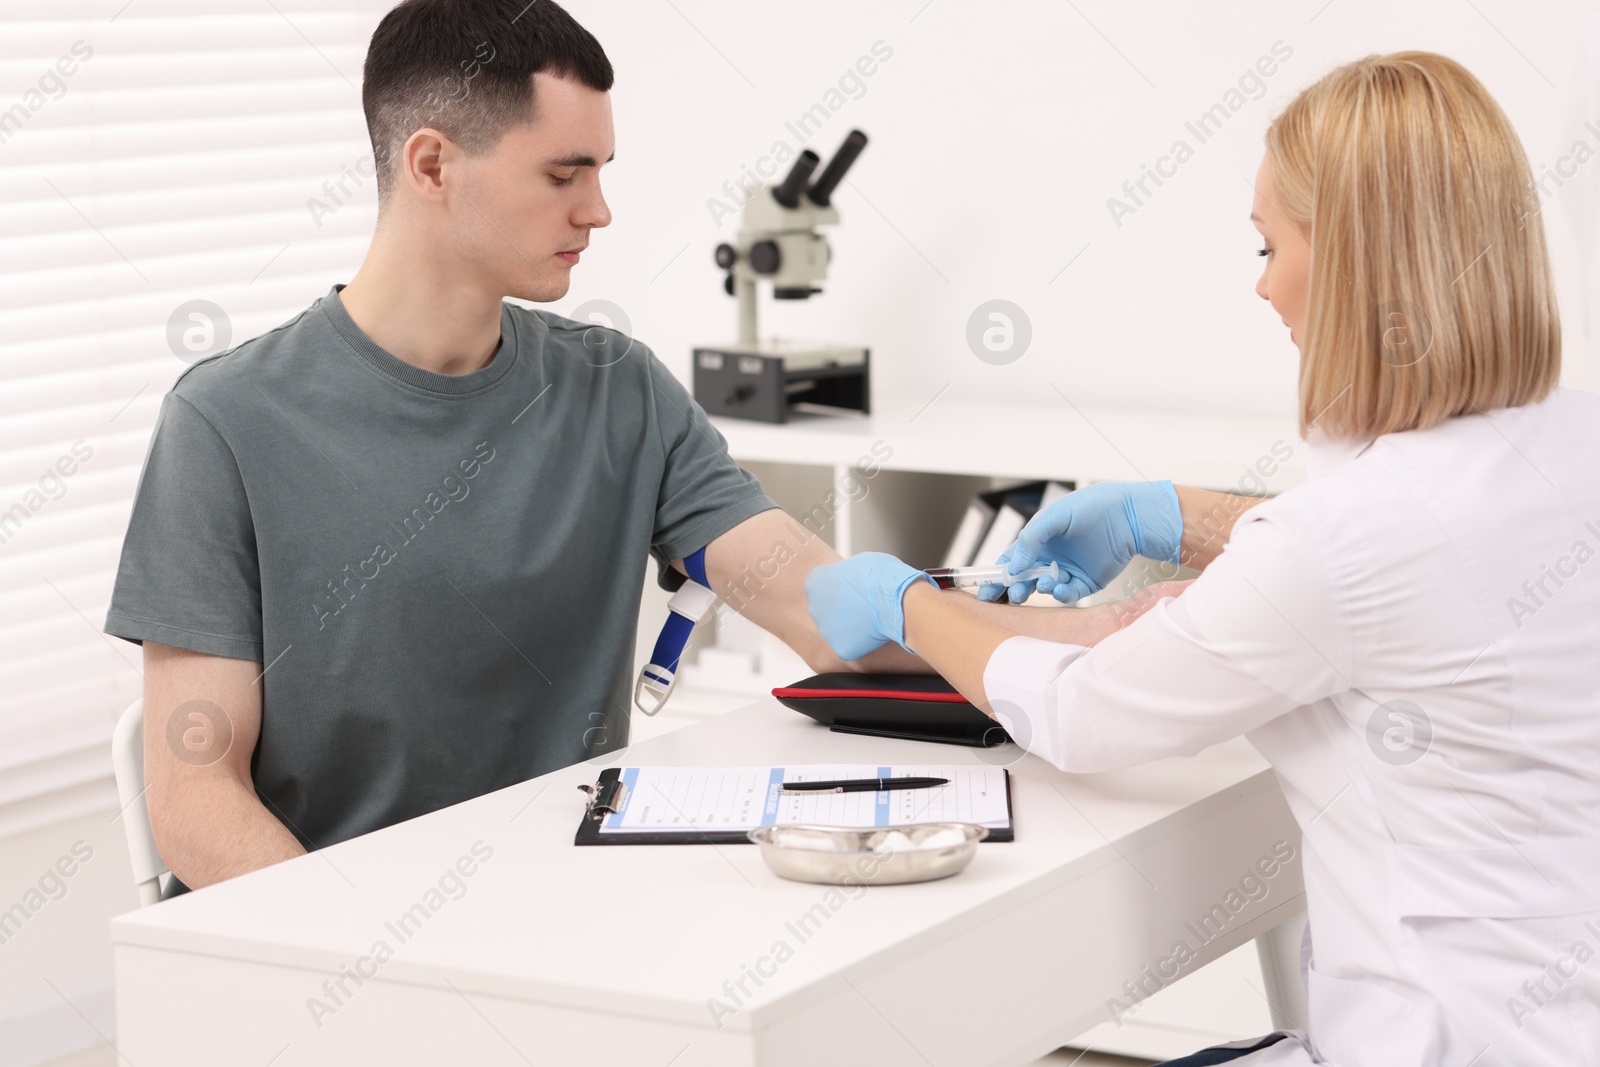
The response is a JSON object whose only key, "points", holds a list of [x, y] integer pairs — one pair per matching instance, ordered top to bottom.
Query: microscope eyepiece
{"points": [[788, 194], [821, 194]]}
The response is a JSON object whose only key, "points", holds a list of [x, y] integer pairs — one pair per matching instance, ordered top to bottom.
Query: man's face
{"points": [[524, 209]]}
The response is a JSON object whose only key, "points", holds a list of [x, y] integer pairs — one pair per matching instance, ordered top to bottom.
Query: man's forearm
{"points": [[1208, 520], [759, 568], [1070, 626], [958, 643], [208, 822], [220, 831]]}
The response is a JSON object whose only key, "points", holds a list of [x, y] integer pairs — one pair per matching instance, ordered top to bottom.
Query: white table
{"points": [[554, 954]]}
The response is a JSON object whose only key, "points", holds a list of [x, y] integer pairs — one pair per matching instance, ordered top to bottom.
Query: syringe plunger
{"points": [[999, 574]]}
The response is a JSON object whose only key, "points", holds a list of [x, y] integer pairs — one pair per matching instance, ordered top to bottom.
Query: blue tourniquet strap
{"points": [[695, 564], [669, 646]]}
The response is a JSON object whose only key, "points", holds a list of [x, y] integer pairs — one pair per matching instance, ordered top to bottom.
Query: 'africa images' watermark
{"points": [[52, 81], [851, 85], [1251, 85], [339, 191], [198, 329], [999, 332], [51, 486], [853, 486], [341, 590], [1537, 592], [1399, 732], [199, 733], [450, 885], [50, 886], [1251, 887], [736, 992], [1537, 992]]}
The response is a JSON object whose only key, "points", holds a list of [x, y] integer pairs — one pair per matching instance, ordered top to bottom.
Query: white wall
{"points": [[999, 132], [55, 956]]}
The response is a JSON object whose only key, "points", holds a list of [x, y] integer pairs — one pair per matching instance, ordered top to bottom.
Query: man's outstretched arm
{"points": [[1208, 522], [759, 569], [209, 825]]}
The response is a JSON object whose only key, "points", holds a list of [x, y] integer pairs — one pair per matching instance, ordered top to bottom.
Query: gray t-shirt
{"points": [[441, 574]]}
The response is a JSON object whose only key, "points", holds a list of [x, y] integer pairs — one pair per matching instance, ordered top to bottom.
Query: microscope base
{"points": [[765, 381]]}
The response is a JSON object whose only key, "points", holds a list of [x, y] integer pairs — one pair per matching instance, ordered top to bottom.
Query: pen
{"points": [[862, 785]]}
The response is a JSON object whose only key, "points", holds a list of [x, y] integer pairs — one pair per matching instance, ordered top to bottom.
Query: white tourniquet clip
{"points": [[693, 603]]}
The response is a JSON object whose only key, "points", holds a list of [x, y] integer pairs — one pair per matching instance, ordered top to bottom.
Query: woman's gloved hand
{"points": [[1092, 534], [856, 603]]}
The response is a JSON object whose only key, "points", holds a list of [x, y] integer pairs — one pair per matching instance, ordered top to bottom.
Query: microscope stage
{"points": [[796, 355], [764, 381]]}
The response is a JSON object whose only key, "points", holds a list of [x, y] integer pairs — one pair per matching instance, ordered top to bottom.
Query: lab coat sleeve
{"points": [[1260, 633]]}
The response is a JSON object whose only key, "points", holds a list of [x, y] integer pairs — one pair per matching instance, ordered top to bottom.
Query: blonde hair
{"points": [[1430, 291]]}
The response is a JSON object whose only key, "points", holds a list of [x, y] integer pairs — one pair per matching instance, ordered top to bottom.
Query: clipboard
{"points": [[610, 796]]}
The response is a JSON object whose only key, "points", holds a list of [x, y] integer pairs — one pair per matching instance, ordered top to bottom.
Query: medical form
{"points": [[699, 800]]}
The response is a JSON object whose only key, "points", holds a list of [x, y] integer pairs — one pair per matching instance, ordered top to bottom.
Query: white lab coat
{"points": [[1412, 639]]}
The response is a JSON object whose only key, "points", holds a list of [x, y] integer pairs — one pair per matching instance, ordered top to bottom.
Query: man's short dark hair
{"points": [[465, 68]]}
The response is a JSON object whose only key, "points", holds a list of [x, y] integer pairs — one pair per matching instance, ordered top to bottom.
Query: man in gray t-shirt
{"points": [[388, 556], [443, 571]]}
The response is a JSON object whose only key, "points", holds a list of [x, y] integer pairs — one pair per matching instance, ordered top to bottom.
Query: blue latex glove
{"points": [[1093, 533], [856, 603]]}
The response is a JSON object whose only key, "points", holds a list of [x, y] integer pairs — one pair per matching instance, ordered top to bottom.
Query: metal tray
{"points": [[834, 855]]}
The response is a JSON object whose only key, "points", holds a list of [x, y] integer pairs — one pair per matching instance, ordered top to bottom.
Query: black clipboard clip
{"points": [[606, 797]]}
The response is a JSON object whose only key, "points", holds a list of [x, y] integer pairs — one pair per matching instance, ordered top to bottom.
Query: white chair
{"points": [[127, 762]]}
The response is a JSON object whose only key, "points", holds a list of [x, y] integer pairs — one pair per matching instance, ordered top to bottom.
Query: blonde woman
{"points": [[1411, 638]]}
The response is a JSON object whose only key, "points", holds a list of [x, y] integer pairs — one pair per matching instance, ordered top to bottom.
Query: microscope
{"points": [[778, 240]]}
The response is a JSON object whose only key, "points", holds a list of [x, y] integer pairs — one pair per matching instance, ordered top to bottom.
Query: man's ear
{"points": [[424, 160]]}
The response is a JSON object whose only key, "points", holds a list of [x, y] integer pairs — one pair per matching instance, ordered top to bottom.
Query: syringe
{"points": [[999, 574]]}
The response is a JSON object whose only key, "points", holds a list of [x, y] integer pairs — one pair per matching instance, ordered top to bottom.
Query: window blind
{"points": [[153, 154]]}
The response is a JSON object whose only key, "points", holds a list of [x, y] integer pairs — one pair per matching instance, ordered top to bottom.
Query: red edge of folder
{"points": [[867, 694]]}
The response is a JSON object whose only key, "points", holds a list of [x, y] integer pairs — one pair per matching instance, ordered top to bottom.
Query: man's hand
{"points": [[856, 603], [202, 716]]}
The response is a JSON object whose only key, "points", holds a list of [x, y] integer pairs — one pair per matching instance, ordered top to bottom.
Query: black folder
{"points": [[913, 707]]}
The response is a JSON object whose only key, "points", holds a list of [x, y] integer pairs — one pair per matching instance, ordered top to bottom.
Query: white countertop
{"points": [[654, 931]]}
